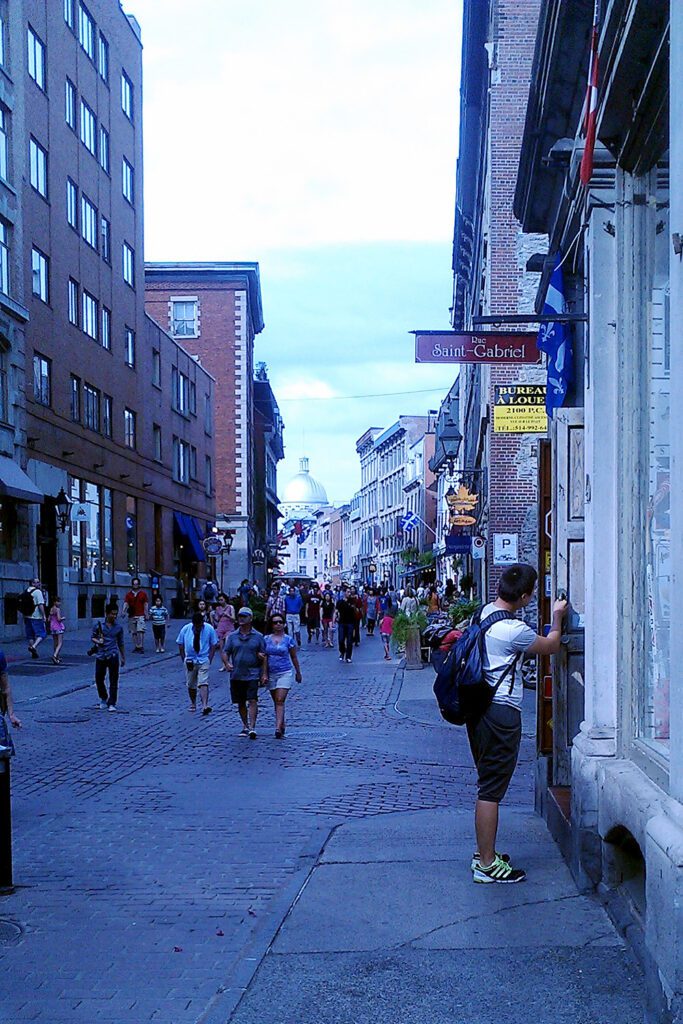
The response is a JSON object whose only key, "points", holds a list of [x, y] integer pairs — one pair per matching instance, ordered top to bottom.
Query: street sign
{"points": [[495, 348], [519, 409], [79, 512], [458, 544], [213, 545], [478, 547], [505, 548]]}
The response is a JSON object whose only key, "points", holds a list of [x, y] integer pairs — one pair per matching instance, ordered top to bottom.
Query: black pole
{"points": [[5, 826]]}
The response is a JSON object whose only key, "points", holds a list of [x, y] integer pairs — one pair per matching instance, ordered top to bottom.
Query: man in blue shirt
{"points": [[293, 605], [107, 637], [246, 653]]}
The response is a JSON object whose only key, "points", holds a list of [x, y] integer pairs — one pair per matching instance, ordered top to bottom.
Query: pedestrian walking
{"points": [[210, 592], [244, 593], [354, 599], [275, 603], [409, 604], [137, 606], [293, 606], [32, 607], [204, 610], [371, 611], [313, 614], [159, 617], [327, 618], [345, 620], [223, 621], [55, 623], [386, 628], [197, 644], [246, 653], [110, 655], [283, 668], [6, 707], [495, 737]]}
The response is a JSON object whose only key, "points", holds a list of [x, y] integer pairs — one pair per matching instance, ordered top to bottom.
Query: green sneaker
{"points": [[475, 858], [501, 871]]}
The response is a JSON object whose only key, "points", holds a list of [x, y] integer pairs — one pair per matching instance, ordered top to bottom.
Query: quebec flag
{"points": [[556, 341]]}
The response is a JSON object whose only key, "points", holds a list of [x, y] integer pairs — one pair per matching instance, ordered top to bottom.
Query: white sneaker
{"points": [[102, 705], [112, 707]]}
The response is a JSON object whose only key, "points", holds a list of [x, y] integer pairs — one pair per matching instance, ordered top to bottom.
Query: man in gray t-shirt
{"points": [[245, 650], [495, 737]]}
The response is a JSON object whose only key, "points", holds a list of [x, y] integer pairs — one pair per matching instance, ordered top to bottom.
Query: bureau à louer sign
{"points": [[475, 347]]}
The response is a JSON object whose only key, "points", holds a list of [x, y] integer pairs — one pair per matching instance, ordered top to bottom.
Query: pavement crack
{"points": [[476, 917]]}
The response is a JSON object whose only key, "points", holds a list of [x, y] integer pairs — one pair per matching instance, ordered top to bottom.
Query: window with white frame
{"points": [[69, 13], [86, 31], [36, 58], [103, 58], [126, 95], [70, 104], [88, 128], [4, 145], [104, 149], [38, 167], [127, 180], [72, 203], [88, 222], [105, 234], [4, 257], [128, 264], [40, 275], [72, 301], [90, 314], [184, 319], [105, 328], [130, 347], [156, 367], [42, 379], [180, 391], [75, 403], [91, 407], [107, 415], [129, 428], [181, 461]]}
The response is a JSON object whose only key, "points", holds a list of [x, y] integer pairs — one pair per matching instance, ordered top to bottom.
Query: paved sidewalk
{"points": [[169, 871]]}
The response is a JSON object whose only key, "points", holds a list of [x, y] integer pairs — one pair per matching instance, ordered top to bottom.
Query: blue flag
{"points": [[556, 341]]}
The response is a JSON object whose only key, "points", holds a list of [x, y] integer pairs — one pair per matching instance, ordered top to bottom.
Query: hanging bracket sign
{"points": [[495, 348]]}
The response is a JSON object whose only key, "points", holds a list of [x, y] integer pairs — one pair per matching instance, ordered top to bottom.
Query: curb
{"points": [[229, 995]]}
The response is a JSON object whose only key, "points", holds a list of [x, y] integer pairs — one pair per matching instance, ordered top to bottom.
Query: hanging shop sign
{"points": [[496, 348], [519, 409], [461, 504], [80, 512], [457, 544], [213, 545], [478, 547]]}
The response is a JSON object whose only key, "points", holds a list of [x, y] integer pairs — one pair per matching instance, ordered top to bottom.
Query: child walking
{"points": [[159, 616], [56, 627], [386, 628]]}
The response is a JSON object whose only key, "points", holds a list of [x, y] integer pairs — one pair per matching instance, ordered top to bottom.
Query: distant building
{"points": [[214, 310], [268, 451], [303, 551]]}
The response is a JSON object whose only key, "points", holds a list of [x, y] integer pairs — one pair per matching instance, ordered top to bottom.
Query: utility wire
{"points": [[349, 398]]}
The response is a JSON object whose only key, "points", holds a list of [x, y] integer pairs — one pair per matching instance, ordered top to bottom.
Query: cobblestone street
{"points": [[157, 855]]}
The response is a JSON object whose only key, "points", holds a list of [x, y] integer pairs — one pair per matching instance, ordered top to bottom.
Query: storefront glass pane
{"points": [[75, 528], [107, 532], [132, 534], [93, 554], [654, 701]]}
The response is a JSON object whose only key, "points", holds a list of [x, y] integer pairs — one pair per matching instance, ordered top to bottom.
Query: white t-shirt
{"points": [[504, 641]]}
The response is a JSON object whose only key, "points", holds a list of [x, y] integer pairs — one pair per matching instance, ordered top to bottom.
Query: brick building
{"points": [[490, 255], [215, 310], [92, 408]]}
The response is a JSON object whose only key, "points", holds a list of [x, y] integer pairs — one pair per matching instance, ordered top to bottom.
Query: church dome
{"points": [[304, 490]]}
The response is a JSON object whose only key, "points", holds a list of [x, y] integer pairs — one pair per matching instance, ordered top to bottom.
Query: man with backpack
{"points": [[32, 607], [496, 734]]}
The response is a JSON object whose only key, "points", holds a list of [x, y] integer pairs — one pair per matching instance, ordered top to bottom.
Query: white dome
{"points": [[304, 490]]}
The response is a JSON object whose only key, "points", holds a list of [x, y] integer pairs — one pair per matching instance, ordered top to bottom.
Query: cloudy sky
{"points": [[319, 138]]}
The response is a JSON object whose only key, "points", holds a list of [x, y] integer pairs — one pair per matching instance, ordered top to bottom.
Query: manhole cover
{"points": [[10, 933]]}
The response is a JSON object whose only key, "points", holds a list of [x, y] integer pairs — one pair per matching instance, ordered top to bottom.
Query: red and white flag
{"points": [[590, 107]]}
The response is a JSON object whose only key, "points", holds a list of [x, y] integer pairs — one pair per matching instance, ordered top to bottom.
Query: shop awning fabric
{"points": [[14, 483], [192, 531]]}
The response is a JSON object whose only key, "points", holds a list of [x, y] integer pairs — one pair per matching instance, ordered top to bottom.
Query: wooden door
{"points": [[569, 577]]}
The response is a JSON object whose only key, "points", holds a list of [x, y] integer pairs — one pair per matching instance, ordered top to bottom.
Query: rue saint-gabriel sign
{"points": [[491, 347], [519, 409]]}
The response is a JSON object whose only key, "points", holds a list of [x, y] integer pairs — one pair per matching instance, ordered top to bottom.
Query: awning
{"points": [[14, 483], [191, 530]]}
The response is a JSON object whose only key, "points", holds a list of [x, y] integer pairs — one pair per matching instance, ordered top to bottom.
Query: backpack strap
{"points": [[491, 620]]}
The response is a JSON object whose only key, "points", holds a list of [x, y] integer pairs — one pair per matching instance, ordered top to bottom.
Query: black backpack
{"points": [[26, 603], [461, 690]]}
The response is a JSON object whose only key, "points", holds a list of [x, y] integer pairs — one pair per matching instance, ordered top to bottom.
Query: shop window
{"points": [[132, 534], [654, 695]]}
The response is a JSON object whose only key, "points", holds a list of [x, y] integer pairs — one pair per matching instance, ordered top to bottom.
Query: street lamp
{"points": [[62, 508]]}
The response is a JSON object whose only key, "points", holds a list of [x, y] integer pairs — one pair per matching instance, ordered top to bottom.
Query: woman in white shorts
{"points": [[283, 668]]}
